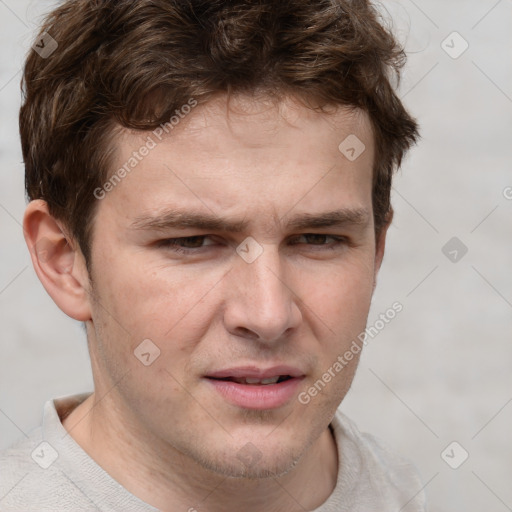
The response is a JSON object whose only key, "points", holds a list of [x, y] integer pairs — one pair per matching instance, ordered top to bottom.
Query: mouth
{"points": [[250, 381], [255, 388]]}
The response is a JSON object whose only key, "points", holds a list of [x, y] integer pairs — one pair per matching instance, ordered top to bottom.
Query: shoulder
{"points": [[375, 474], [31, 480]]}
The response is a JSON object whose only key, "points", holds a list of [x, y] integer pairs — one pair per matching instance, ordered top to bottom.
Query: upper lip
{"points": [[253, 372]]}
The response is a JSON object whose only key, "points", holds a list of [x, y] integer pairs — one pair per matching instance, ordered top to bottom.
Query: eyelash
{"points": [[173, 243]]}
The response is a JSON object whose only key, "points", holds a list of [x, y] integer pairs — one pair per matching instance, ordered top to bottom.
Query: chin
{"points": [[250, 463], [255, 472]]}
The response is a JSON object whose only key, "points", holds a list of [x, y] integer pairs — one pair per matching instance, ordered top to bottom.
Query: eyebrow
{"points": [[188, 219]]}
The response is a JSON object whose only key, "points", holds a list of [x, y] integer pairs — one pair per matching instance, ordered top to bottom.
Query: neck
{"points": [[169, 480]]}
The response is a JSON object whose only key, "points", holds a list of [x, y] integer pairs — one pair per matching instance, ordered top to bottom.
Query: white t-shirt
{"points": [[48, 472]]}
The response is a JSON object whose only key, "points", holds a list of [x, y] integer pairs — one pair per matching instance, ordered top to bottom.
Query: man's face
{"points": [[286, 304]]}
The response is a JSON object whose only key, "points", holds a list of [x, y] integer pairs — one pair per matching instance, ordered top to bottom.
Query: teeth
{"points": [[249, 380], [272, 380], [252, 381]]}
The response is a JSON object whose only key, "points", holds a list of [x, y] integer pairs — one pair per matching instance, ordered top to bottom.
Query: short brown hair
{"points": [[134, 62]]}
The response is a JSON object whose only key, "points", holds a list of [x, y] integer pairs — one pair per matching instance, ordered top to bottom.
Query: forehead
{"points": [[253, 122], [259, 122], [250, 152]]}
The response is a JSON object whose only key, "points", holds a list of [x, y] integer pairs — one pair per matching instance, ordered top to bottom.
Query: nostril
{"points": [[246, 333]]}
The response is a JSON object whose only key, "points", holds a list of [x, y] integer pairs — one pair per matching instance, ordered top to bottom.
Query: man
{"points": [[209, 185]]}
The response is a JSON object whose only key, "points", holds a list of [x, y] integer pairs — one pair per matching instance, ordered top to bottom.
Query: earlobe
{"points": [[57, 261]]}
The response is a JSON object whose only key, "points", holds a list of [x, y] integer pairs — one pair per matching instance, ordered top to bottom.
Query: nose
{"points": [[262, 299]]}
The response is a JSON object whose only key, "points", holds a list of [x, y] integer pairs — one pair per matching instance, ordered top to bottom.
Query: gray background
{"points": [[440, 371]]}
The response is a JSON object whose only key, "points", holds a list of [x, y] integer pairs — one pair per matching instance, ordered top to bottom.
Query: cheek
{"points": [[342, 297], [151, 301], [171, 307], [145, 334]]}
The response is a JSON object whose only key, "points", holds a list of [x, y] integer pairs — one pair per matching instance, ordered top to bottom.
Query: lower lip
{"points": [[254, 396]]}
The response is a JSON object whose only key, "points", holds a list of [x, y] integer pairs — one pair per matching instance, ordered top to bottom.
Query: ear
{"points": [[380, 246], [57, 261]]}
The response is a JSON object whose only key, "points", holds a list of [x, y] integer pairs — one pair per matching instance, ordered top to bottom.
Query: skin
{"points": [[161, 430]]}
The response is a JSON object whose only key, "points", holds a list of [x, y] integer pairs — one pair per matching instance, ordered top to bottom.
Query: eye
{"points": [[319, 239], [200, 243], [186, 244]]}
